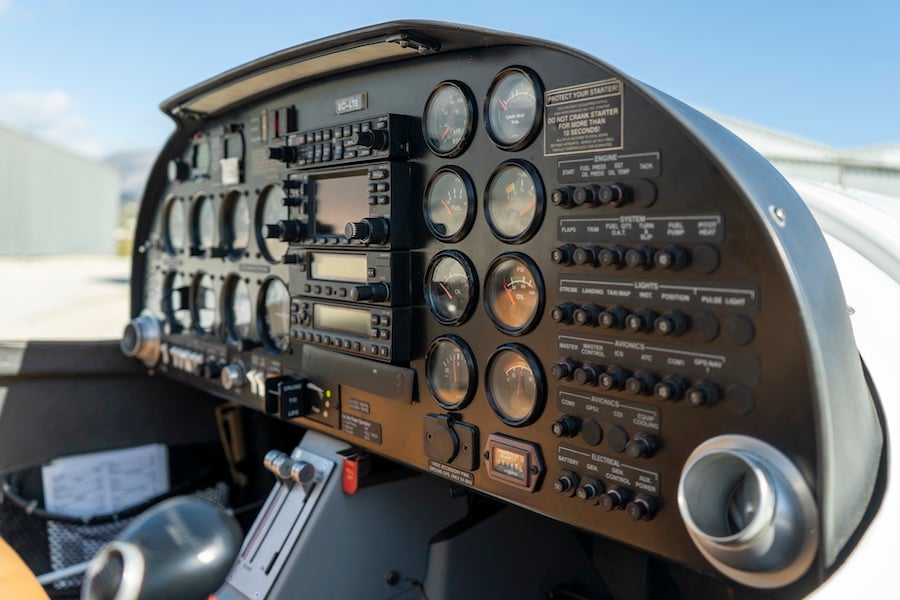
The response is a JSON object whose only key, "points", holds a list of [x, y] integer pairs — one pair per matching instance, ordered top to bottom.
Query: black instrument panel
{"points": [[507, 266]]}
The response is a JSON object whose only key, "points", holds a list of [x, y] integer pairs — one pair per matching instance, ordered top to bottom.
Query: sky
{"points": [[90, 75]]}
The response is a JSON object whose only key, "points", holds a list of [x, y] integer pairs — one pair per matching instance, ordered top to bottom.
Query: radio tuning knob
{"points": [[375, 139], [286, 154], [370, 230], [287, 231], [374, 292]]}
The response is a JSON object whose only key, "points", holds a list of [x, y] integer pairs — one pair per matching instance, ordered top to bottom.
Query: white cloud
{"points": [[50, 116]]}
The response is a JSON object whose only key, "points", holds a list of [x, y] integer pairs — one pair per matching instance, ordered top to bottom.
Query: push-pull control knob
{"points": [[374, 139], [286, 154], [615, 194], [371, 230], [287, 231], [373, 292], [141, 339], [563, 369], [233, 377], [702, 393], [566, 426], [642, 445], [279, 464], [303, 472], [566, 484], [589, 490], [614, 499], [642, 508]]}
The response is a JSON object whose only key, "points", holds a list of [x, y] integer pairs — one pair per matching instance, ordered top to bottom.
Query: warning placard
{"points": [[583, 118]]}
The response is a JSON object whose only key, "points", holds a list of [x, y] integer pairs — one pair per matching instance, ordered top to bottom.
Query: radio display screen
{"points": [[340, 199], [338, 266], [354, 321]]}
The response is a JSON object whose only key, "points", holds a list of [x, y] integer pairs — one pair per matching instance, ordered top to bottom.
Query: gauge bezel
{"points": [[536, 123], [466, 139], [200, 140], [232, 200], [197, 202], [170, 204], [471, 204], [539, 207], [260, 225], [469, 269], [197, 283], [538, 284], [229, 289], [262, 329], [468, 356], [540, 387]]}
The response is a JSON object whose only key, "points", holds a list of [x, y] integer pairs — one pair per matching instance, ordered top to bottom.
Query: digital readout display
{"points": [[339, 200], [338, 266], [345, 320], [510, 463]]}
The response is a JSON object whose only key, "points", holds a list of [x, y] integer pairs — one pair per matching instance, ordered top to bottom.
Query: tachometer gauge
{"points": [[514, 108], [448, 120], [514, 201], [449, 204], [269, 211], [203, 223], [236, 224], [173, 226], [451, 287], [513, 293], [175, 302], [203, 303], [238, 307], [273, 315], [450, 372], [515, 385]]}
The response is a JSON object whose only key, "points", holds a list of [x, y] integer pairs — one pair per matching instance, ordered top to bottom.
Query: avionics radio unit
{"points": [[364, 206], [374, 277], [381, 333]]}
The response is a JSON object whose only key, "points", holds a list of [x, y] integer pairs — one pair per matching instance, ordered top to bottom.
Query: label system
{"points": [[660, 229], [610, 471]]}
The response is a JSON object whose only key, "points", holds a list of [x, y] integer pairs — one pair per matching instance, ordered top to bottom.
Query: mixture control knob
{"points": [[374, 139], [178, 170], [615, 194], [370, 230], [287, 231], [562, 255], [612, 256], [373, 292], [563, 313], [613, 317], [671, 323], [141, 339], [563, 369], [588, 374], [232, 377], [613, 378], [641, 383], [670, 388], [702, 393], [566, 426], [642, 445], [279, 464], [303, 472], [566, 483], [589, 490], [614, 499], [642, 508]]}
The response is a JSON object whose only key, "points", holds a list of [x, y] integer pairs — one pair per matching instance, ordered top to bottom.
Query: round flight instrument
{"points": [[514, 108], [449, 118], [514, 201], [449, 204], [269, 211], [203, 223], [236, 224], [173, 226], [451, 287], [513, 293], [175, 302], [203, 303], [238, 307], [273, 315], [450, 372], [515, 385]]}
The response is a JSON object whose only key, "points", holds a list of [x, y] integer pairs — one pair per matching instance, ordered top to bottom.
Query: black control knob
{"points": [[374, 139], [285, 154], [178, 170], [295, 184], [615, 194], [588, 195], [562, 197], [371, 230], [287, 231], [562, 255], [586, 256], [612, 256], [640, 257], [672, 258], [373, 292], [563, 313], [587, 315], [612, 318], [640, 320], [672, 323], [212, 368], [563, 369], [588, 374], [613, 378], [641, 383], [670, 388], [703, 393], [566, 426], [642, 445], [566, 483], [589, 490], [614, 499], [642, 508]]}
